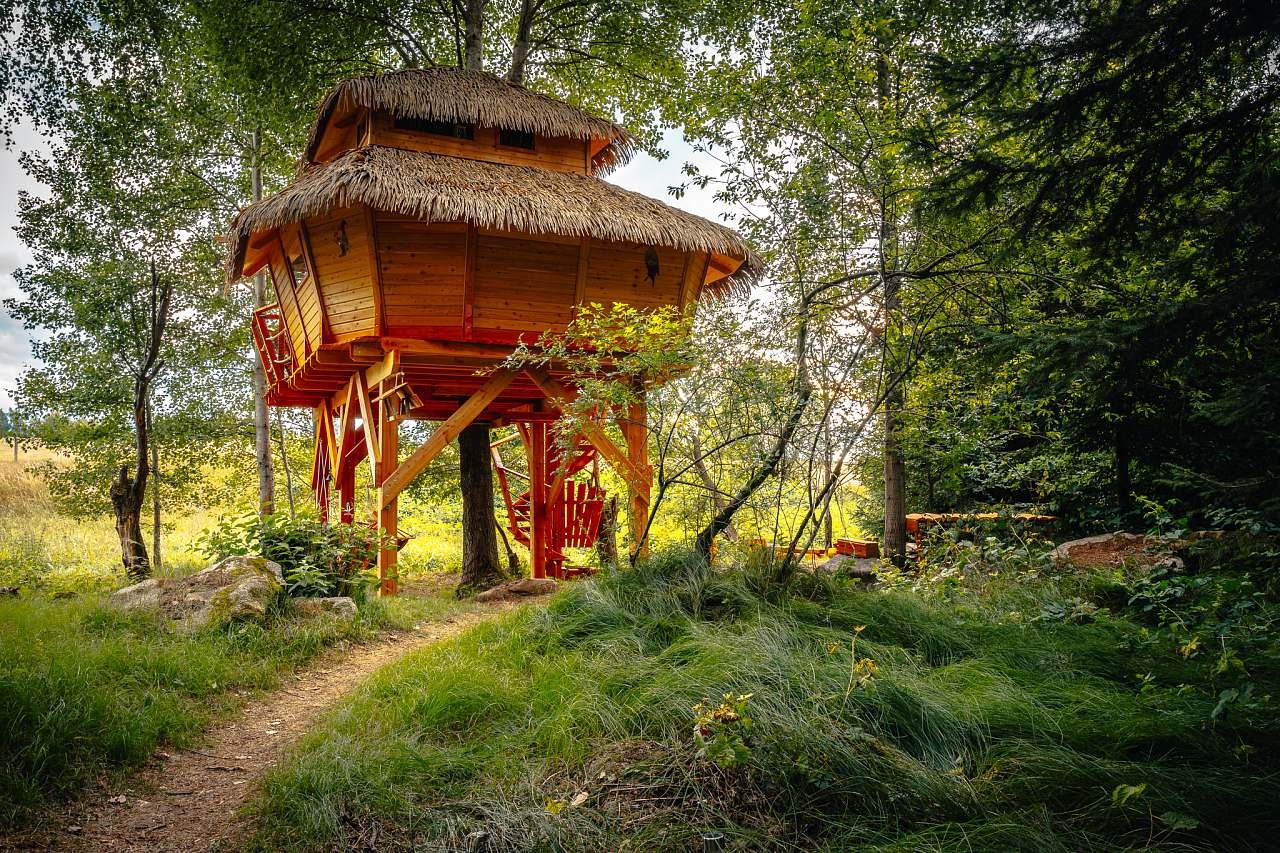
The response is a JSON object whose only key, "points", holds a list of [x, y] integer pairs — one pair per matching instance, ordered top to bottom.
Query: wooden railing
{"points": [[272, 342]]}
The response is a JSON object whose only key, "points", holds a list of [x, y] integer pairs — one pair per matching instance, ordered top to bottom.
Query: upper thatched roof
{"points": [[458, 95], [439, 188]]}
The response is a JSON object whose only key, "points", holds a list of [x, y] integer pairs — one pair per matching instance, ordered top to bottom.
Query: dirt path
{"points": [[189, 800]]}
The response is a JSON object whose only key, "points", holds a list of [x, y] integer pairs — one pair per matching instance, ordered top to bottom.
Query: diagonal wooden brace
{"points": [[411, 467], [634, 477]]}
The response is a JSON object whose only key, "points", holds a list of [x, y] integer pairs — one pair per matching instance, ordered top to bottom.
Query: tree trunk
{"points": [[473, 40], [520, 50], [803, 391], [261, 425], [284, 462], [895, 475], [1124, 483], [895, 489], [717, 497], [126, 500], [607, 533], [513, 559], [156, 562], [480, 566]]}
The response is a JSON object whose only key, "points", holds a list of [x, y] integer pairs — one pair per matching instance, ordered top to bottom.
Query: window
{"points": [[439, 128], [515, 138], [299, 268]]}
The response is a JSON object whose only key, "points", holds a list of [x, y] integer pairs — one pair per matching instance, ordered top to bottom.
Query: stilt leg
{"points": [[389, 450], [347, 495], [538, 528]]}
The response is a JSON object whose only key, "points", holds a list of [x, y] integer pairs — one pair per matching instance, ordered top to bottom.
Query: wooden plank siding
{"points": [[558, 153], [423, 270], [616, 273], [283, 282], [524, 284], [345, 288], [305, 291]]}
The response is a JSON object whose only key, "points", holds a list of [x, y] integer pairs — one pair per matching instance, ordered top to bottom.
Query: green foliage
{"points": [[317, 559], [985, 727], [720, 731]]}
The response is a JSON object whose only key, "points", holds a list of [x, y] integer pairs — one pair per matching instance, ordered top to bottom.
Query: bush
{"points": [[317, 559]]}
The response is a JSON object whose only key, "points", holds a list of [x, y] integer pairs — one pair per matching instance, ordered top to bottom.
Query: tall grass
{"points": [[85, 687], [980, 730]]}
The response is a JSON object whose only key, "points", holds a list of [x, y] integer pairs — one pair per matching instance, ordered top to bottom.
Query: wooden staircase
{"points": [[570, 508]]}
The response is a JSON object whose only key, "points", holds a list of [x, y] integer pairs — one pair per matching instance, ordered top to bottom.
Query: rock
{"points": [[1105, 549], [1170, 563], [863, 568], [532, 586], [519, 588], [233, 589], [141, 596], [342, 606]]}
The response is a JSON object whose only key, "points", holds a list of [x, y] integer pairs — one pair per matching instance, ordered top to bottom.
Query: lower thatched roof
{"points": [[439, 188]]}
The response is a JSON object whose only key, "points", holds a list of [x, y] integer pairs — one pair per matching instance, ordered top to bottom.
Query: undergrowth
{"points": [[85, 688], [655, 708]]}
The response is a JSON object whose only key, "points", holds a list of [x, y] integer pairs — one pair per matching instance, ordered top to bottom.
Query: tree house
{"points": [[438, 218]]}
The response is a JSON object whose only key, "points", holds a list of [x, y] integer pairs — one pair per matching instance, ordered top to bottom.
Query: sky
{"points": [[644, 174]]}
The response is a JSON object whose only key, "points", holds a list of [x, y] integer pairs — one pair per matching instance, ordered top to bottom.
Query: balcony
{"points": [[272, 342]]}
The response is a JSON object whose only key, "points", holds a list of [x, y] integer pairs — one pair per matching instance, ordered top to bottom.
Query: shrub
{"points": [[317, 559]]}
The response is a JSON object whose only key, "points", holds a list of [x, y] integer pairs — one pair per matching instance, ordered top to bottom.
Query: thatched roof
{"points": [[458, 95], [439, 188]]}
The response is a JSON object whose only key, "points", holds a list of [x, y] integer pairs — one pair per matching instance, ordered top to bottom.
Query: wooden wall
{"points": [[559, 153], [423, 268], [616, 272], [345, 278], [446, 281], [524, 284]]}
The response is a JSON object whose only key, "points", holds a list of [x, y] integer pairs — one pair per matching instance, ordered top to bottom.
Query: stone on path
{"points": [[519, 588], [342, 606]]}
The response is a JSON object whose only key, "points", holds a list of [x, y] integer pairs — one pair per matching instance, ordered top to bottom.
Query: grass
{"points": [[45, 550], [85, 688], [984, 726]]}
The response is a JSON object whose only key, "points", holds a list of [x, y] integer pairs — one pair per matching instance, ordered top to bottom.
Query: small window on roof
{"points": [[439, 128], [515, 138]]}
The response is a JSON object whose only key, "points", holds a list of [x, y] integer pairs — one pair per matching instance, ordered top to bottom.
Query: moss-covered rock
{"points": [[235, 588]]}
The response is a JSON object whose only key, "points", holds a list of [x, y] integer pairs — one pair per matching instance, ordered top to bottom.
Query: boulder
{"points": [[1107, 549], [862, 568], [519, 588], [232, 589], [141, 596], [342, 606]]}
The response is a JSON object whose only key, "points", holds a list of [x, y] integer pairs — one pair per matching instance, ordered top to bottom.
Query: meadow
{"points": [[990, 703]]}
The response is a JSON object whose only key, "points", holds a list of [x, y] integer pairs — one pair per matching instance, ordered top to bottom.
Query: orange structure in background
{"points": [[438, 218]]}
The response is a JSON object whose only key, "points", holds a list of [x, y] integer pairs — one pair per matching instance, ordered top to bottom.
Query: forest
{"points": [[894, 388]]}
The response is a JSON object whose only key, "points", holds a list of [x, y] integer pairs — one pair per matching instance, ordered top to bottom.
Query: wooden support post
{"points": [[559, 396], [637, 434], [389, 446], [322, 461], [403, 474], [347, 494], [538, 527]]}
